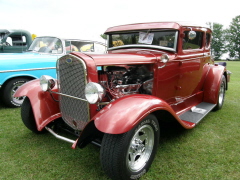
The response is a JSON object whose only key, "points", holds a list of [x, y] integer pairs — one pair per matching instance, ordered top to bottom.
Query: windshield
{"points": [[158, 39], [47, 45]]}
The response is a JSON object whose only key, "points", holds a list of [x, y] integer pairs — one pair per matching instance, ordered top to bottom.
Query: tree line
{"points": [[226, 40]]}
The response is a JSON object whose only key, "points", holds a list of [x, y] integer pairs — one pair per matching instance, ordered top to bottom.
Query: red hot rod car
{"points": [[152, 72]]}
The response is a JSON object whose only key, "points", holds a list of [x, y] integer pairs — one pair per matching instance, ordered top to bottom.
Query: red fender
{"points": [[212, 84], [45, 109], [123, 114]]}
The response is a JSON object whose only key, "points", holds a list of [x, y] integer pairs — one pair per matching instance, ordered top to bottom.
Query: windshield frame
{"points": [[33, 47], [173, 49]]}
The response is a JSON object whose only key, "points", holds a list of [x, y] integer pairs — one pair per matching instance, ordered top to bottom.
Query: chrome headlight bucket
{"points": [[164, 58], [47, 82], [94, 92]]}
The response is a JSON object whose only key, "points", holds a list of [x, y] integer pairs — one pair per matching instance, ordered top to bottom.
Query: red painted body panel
{"points": [[133, 56], [212, 84], [45, 109], [123, 114]]}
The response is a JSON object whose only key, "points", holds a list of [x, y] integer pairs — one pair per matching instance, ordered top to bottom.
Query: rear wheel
{"points": [[8, 92], [221, 94], [27, 116], [130, 155]]}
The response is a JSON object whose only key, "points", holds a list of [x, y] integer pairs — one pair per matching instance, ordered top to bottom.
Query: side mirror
{"points": [[192, 35]]}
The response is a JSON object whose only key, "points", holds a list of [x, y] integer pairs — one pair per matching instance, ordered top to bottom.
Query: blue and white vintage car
{"points": [[40, 59]]}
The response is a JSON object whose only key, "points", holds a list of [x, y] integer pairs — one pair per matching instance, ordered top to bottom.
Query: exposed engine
{"points": [[120, 81]]}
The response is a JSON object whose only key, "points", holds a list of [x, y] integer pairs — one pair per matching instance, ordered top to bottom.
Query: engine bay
{"points": [[120, 81]]}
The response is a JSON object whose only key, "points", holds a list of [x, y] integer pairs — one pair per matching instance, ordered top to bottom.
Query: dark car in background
{"points": [[15, 40]]}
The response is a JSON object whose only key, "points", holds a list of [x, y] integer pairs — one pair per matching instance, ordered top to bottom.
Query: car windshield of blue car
{"points": [[166, 39], [50, 45]]}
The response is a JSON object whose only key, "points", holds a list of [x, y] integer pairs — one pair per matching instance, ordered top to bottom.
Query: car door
{"points": [[191, 65]]}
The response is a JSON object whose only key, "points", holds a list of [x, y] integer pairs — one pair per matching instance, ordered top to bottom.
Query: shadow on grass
{"points": [[2, 105], [172, 130], [56, 158]]}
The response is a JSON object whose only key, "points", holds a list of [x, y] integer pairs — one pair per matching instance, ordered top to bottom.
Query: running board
{"points": [[197, 113]]}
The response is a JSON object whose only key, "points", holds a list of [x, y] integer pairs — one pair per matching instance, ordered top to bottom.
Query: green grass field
{"points": [[209, 151]]}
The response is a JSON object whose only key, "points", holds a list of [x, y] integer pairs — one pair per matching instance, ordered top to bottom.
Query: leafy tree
{"points": [[104, 36], [233, 38], [218, 40]]}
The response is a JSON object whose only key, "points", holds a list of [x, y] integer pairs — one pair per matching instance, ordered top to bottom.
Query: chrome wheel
{"points": [[10, 88], [221, 93], [17, 100], [140, 148], [130, 155]]}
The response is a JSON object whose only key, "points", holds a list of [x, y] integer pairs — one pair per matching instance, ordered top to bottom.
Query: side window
{"points": [[208, 39], [17, 40], [192, 43], [70, 47]]}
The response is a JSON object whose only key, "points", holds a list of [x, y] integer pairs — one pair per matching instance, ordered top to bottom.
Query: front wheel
{"points": [[8, 92], [221, 94], [130, 155]]}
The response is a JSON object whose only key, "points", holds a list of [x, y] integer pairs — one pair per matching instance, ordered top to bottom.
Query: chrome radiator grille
{"points": [[71, 73]]}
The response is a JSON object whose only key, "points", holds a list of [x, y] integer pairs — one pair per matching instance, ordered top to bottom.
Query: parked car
{"points": [[15, 40], [40, 59], [152, 73]]}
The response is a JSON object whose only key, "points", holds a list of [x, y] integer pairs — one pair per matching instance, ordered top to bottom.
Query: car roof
{"points": [[152, 25], [13, 30]]}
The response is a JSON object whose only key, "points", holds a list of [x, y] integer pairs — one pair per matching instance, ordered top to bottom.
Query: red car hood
{"points": [[126, 57]]}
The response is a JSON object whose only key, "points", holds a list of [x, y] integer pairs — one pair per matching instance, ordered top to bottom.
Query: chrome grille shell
{"points": [[72, 74]]}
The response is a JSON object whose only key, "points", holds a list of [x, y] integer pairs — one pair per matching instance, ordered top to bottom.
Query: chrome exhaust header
{"points": [[58, 136]]}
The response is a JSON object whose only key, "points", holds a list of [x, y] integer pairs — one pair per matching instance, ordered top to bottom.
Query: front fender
{"points": [[212, 84], [45, 109], [123, 114]]}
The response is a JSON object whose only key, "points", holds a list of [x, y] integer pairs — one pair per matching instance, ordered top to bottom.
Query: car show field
{"points": [[209, 151]]}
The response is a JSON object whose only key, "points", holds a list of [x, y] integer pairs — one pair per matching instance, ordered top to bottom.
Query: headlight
{"points": [[46, 82], [94, 92]]}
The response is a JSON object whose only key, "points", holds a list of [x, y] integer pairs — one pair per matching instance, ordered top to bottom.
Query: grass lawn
{"points": [[209, 151]]}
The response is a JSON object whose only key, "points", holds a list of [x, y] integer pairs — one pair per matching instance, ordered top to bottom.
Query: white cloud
{"points": [[86, 19]]}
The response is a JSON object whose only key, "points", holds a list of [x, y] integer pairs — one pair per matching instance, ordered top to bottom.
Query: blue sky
{"points": [[87, 19]]}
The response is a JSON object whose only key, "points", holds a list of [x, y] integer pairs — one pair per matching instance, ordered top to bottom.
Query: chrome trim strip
{"points": [[175, 41], [142, 46], [189, 59], [27, 69], [69, 96], [58, 136], [96, 143]]}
